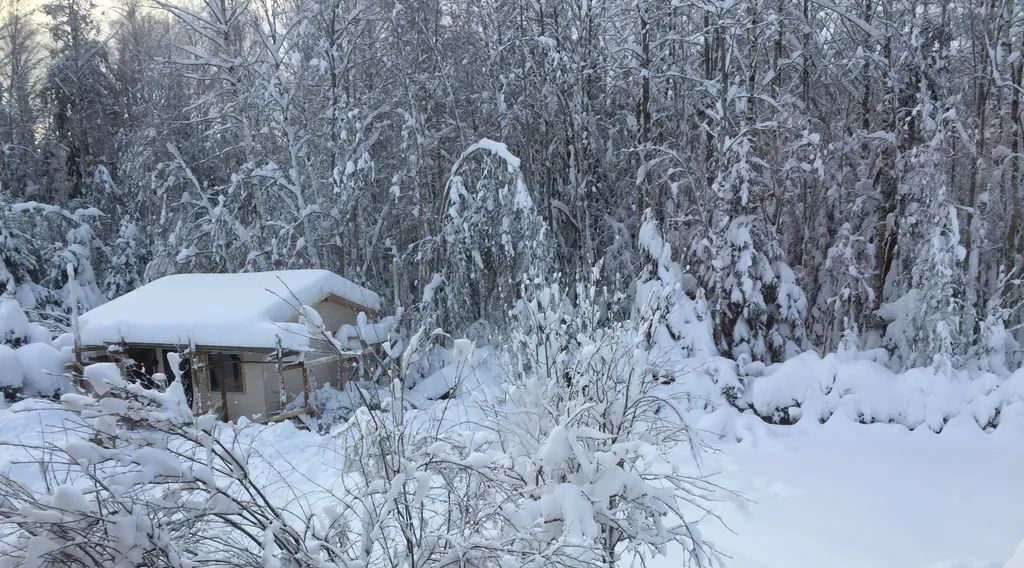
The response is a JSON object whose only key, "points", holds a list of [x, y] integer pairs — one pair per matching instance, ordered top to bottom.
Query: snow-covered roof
{"points": [[219, 310]]}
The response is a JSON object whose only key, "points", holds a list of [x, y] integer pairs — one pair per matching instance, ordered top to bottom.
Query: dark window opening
{"points": [[140, 364], [226, 370]]}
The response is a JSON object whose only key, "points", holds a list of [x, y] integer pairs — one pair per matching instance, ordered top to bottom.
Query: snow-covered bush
{"points": [[72, 241], [80, 250], [925, 321], [14, 326], [684, 335], [997, 350], [29, 364], [44, 369], [12, 376], [814, 388], [589, 438], [143, 482]]}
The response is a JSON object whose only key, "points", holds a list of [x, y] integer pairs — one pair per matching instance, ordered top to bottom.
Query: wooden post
{"points": [[76, 331], [194, 367], [305, 385], [223, 392], [282, 399]]}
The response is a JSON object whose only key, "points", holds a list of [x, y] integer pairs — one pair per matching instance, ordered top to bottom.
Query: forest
{"points": [[827, 174], [661, 283]]}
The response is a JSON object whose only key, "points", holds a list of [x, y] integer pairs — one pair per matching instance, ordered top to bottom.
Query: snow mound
{"points": [[15, 328], [29, 363], [43, 366], [464, 369], [12, 376], [811, 387]]}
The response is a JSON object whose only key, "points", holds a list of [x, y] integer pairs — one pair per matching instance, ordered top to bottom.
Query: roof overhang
{"points": [[179, 348]]}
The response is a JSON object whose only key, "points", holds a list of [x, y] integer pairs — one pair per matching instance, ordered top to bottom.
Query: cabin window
{"points": [[142, 359], [140, 364], [226, 370]]}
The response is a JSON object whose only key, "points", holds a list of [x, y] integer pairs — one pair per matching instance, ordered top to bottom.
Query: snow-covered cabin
{"points": [[245, 351]]}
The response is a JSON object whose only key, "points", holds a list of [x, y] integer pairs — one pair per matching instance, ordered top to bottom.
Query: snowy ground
{"points": [[835, 495], [851, 495]]}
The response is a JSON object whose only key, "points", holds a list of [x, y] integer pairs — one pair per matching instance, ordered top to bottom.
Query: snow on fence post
{"points": [[75, 329], [305, 385], [197, 391], [282, 398]]}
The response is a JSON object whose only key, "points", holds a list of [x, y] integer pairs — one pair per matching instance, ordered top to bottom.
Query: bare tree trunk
{"points": [[1011, 256]]}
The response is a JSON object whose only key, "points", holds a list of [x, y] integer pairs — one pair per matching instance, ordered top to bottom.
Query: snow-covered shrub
{"points": [[77, 245], [79, 250], [929, 311], [924, 322], [14, 326], [686, 330], [682, 335], [997, 351], [29, 364], [43, 366], [12, 376], [814, 388], [333, 406], [589, 440], [143, 482], [429, 487], [409, 505]]}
